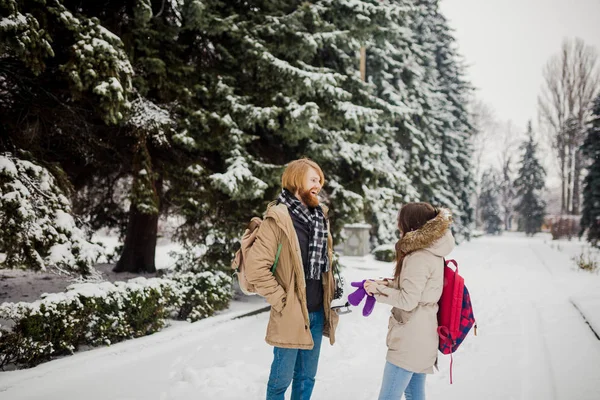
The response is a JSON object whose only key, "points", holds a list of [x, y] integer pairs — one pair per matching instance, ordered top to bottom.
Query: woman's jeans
{"points": [[296, 364], [397, 380]]}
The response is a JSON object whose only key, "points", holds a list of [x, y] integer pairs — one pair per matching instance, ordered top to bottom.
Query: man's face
{"points": [[310, 189]]}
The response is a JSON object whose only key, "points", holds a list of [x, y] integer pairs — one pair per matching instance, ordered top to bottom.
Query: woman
{"points": [[414, 292]]}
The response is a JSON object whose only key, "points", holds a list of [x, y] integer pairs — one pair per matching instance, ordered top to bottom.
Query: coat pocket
{"points": [[402, 317], [393, 336]]}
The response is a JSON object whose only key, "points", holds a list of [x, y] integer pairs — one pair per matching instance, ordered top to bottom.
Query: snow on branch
{"points": [[150, 118], [238, 181], [38, 229]]}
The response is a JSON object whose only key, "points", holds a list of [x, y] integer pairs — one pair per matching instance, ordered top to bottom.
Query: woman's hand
{"points": [[371, 286]]}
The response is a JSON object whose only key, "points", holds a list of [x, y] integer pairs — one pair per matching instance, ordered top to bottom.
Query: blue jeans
{"points": [[296, 364], [397, 380]]}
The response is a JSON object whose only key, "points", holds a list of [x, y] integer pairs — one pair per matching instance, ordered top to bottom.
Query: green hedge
{"points": [[385, 252], [96, 314]]}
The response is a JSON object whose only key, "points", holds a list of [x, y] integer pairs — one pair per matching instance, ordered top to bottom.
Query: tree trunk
{"points": [[363, 63], [563, 180], [577, 182], [569, 203], [140, 243], [139, 251]]}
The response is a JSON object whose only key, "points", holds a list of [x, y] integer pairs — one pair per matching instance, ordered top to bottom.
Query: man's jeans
{"points": [[296, 364], [397, 380]]}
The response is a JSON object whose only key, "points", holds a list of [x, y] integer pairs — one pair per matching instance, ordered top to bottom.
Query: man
{"points": [[302, 288]]}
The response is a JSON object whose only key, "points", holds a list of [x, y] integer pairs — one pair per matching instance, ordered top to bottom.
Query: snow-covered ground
{"points": [[26, 285], [532, 342]]}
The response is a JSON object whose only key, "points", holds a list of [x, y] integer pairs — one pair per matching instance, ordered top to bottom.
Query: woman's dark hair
{"points": [[412, 216]]}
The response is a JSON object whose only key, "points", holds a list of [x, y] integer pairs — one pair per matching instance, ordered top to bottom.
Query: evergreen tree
{"points": [[416, 71], [392, 72], [65, 84], [78, 94], [298, 94], [194, 107], [457, 151], [428, 174], [529, 187], [591, 192], [507, 193], [489, 202], [38, 230]]}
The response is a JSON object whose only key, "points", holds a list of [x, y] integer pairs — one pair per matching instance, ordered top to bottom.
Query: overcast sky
{"points": [[506, 44]]}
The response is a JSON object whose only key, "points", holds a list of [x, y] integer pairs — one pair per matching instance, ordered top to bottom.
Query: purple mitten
{"points": [[356, 297], [369, 305]]}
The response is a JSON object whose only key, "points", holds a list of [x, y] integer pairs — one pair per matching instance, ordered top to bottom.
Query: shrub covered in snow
{"points": [[38, 230], [385, 252], [198, 296], [97, 314]]}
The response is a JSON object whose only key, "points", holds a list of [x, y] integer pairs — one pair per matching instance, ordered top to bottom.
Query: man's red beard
{"points": [[308, 198]]}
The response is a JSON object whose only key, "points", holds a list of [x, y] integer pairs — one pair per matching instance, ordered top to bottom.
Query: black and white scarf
{"points": [[317, 247]]}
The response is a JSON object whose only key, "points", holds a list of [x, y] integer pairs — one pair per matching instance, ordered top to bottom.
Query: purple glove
{"points": [[356, 297], [369, 306]]}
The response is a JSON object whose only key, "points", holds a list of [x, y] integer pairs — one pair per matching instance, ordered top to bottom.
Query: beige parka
{"points": [[285, 291], [412, 338]]}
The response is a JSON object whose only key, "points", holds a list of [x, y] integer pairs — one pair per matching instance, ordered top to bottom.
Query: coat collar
{"points": [[281, 210]]}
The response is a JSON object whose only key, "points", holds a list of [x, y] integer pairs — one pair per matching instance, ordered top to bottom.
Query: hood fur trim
{"points": [[427, 235]]}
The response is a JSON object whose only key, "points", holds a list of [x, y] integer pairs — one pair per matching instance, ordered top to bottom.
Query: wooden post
{"points": [[363, 63]]}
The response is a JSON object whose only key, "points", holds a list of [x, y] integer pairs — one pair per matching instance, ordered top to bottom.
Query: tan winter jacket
{"points": [[289, 326], [412, 338]]}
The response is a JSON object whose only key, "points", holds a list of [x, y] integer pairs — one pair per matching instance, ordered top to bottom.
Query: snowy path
{"points": [[532, 344]]}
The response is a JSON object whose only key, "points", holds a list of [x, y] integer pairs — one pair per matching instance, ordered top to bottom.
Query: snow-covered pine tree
{"points": [[49, 39], [160, 53], [402, 64], [392, 70], [402, 72], [65, 83], [224, 94], [298, 94], [78, 96], [426, 128], [457, 151], [370, 163], [529, 187], [507, 192], [489, 202], [590, 216], [38, 229]]}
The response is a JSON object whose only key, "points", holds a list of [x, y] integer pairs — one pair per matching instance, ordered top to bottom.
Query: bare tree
{"points": [[571, 81], [485, 128], [508, 145]]}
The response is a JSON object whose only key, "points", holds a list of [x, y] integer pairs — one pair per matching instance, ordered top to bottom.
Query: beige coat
{"points": [[285, 291], [412, 338]]}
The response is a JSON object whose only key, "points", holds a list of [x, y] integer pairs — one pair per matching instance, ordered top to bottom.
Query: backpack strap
{"points": [[276, 259], [447, 340], [451, 361]]}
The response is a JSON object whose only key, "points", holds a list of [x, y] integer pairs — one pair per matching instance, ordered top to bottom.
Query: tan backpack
{"points": [[238, 262]]}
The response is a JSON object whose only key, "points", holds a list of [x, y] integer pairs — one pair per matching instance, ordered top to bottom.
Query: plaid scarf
{"points": [[315, 219]]}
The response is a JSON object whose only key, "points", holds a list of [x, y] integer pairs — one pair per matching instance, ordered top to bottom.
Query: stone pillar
{"points": [[357, 242]]}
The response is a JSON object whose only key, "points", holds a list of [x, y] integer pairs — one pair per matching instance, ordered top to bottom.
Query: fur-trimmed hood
{"points": [[435, 236]]}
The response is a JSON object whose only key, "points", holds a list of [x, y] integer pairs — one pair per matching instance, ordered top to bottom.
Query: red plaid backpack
{"points": [[455, 313]]}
